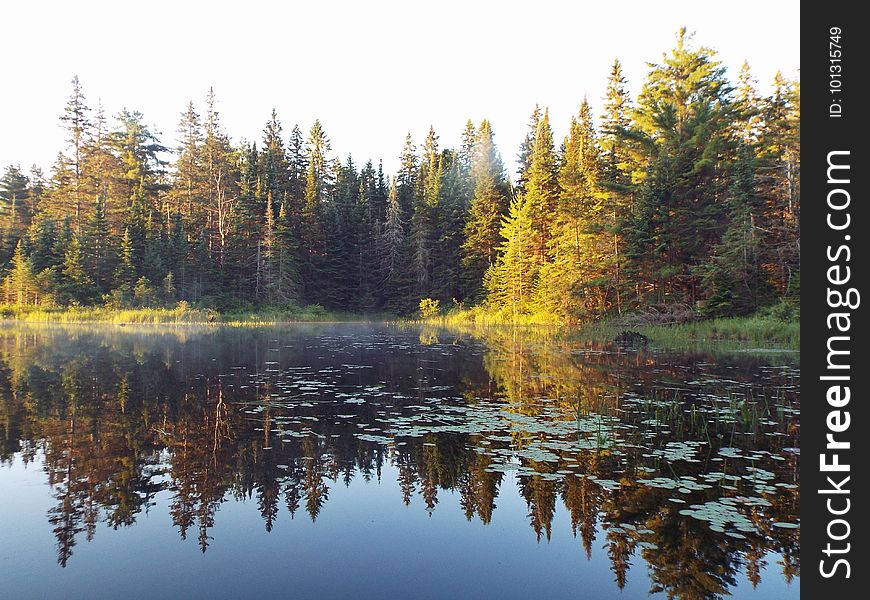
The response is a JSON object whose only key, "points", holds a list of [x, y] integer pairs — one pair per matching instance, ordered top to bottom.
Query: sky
{"points": [[370, 71]]}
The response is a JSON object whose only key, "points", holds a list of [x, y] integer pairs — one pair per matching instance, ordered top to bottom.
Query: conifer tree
{"points": [[682, 118], [76, 121], [526, 150], [616, 176], [406, 179], [187, 182], [542, 187], [317, 188], [488, 207], [423, 218], [392, 244], [98, 246], [125, 272], [572, 281], [511, 282], [19, 283], [76, 285]]}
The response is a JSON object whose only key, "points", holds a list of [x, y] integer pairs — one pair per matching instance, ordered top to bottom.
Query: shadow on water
{"points": [[688, 462]]}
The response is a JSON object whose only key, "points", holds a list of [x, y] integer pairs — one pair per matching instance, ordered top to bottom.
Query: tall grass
{"points": [[87, 314], [180, 314], [483, 316], [754, 329], [760, 329], [757, 330]]}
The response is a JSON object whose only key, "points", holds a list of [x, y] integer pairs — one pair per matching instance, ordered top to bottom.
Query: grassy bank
{"points": [[180, 314], [482, 316], [754, 330], [761, 330], [758, 331]]}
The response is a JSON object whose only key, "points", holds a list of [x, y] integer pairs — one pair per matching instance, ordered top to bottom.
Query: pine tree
{"points": [[682, 118], [76, 121], [526, 149], [779, 162], [297, 164], [275, 165], [616, 177], [406, 179], [187, 183], [222, 184], [542, 187], [488, 207], [16, 209], [424, 215], [313, 235], [391, 245], [43, 251], [100, 259], [125, 272], [735, 278], [512, 280], [573, 280], [19, 284], [76, 285], [286, 285]]}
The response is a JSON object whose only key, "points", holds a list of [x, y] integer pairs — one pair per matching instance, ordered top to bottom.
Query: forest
{"points": [[686, 196]]}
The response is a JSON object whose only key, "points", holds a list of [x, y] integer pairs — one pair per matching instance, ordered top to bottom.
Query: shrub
{"points": [[429, 308], [785, 310]]}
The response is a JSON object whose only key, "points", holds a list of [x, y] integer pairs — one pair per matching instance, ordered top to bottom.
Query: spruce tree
{"points": [[682, 119], [526, 149], [542, 187], [488, 207], [573, 280], [511, 282]]}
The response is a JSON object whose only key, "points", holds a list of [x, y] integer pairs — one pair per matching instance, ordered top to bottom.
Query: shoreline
{"points": [[758, 330]]}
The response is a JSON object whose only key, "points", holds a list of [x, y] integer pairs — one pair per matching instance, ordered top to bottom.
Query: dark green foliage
{"points": [[690, 195]]}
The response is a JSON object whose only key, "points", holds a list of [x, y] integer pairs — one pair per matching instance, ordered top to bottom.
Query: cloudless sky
{"points": [[371, 71]]}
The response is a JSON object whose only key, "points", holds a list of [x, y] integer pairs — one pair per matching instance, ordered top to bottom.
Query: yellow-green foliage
{"points": [[429, 308], [181, 313], [488, 315], [756, 330]]}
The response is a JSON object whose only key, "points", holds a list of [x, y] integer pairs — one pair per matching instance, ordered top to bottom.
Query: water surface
{"points": [[370, 461]]}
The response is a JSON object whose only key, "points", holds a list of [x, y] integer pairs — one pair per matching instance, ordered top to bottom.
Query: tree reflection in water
{"points": [[686, 461]]}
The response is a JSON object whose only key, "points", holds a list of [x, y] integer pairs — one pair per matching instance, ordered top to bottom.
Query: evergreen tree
{"points": [[682, 118], [76, 122], [526, 150], [616, 174], [406, 179], [187, 186], [542, 187], [690, 195], [488, 207], [16, 209], [313, 234], [392, 247], [43, 251], [99, 257], [125, 272], [735, 277], [512, 280], [573, 281], [19, 284], [76, 285]]}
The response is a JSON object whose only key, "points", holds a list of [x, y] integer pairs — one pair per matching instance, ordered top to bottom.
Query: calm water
{"points": [[358, 461]]}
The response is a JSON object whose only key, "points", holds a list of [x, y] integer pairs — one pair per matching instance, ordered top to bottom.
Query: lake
{"points": [[386, 461]]}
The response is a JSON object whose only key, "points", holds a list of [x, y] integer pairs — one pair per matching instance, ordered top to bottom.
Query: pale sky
{"points": [[371, 71]]}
